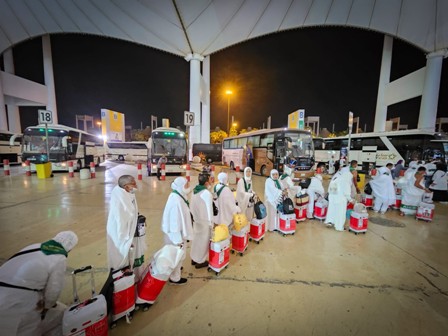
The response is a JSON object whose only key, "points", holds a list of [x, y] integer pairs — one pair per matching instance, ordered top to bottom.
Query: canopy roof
{"points": [[204, 27]]}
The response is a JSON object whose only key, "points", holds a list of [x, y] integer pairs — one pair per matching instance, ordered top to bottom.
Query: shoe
{"points": [[382, 212], [193, 263], [202, 265], [182, 281]]}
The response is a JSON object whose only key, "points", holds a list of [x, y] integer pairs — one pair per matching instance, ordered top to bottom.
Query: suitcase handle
{"points": [[92, 281]]}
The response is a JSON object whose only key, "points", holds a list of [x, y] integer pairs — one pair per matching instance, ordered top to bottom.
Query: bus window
{"points": [[266, 139], [255, 140], [242, 142], [233, 143], [226, 144]]}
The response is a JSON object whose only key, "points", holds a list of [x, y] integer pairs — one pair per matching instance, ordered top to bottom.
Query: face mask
{"points": [[133, 190], [186, 191]]}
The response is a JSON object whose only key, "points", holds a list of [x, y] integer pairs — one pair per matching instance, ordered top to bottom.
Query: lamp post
{"points": [[228, 93], [350, 126]]}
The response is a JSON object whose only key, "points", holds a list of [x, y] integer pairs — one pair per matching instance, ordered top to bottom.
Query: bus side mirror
{"points": [[64, 142]]}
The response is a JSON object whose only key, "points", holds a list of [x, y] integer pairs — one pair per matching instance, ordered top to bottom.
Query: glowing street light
{"points": [[228, 93]]}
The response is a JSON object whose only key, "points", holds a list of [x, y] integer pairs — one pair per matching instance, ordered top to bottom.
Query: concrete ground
{"points": [[391, 281]]}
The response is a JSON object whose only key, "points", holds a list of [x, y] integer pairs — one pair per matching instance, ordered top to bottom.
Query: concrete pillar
{"points": [[49, 77], [431, 86], [195, 98], [205, 98], [381, 107], [12, 110], [3, 120]]}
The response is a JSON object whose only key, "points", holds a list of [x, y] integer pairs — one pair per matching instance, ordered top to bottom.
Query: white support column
{"points": [[49, 77], [430, 96], [195, 98], [205, 98], [381, 107], [12, 110], [3, 120]]}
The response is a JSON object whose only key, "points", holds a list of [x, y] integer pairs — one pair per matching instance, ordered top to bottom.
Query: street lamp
{"points": [[228, 93], [350, 126]]}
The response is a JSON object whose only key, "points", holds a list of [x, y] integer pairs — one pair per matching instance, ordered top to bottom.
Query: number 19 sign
{"points": [[45, 116], [188, 118]]}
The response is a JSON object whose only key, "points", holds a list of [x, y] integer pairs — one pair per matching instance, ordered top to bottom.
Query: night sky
{"points": [[326, 71]]}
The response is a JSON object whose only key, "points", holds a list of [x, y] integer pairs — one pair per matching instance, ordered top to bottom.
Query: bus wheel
{"points": [[120, 158], [232, 165], [263, 171]]}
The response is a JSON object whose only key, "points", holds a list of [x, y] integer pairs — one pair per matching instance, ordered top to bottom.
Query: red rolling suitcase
{"points": [[257, 229], [240, 240], [149, 287], [124, 295], [88, 317]]}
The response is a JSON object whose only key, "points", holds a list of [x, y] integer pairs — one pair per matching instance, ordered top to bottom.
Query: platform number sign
{"points": [[45, 117], [188, 118]]}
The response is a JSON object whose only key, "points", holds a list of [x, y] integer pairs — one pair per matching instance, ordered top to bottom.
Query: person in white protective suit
{"points": [[287, 183], [383, 189], [314, 190], [339, 191], [413, 191], [273, 193], [245, 194], [225, 201], [201, 208], [176, 222], [122, 226], [30, 284]]}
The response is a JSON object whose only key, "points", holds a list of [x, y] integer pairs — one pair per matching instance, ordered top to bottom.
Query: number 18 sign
{"points": [[45, 116]]}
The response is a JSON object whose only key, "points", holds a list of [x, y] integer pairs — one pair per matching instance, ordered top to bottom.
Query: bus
{"points": [[170, 142], [65, 144], [10, 147], [268, 149], [376, 149], [136, 151], [208, 152]]}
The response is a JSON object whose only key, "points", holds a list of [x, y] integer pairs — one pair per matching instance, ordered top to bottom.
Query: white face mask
{"points": [[133, 190], [186, 191]]}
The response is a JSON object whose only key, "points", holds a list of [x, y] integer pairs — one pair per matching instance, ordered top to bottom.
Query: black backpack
{"points": [[368, 189], [287, 206], [260, 210]]}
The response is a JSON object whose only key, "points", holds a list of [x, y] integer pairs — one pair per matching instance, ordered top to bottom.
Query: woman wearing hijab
{"points": [[287, 183], [383, 189], [244, 193], [272, 196], [225, 201], [176, 222], [30, 284]]}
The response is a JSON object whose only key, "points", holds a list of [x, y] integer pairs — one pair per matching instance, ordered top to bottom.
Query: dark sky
{"points": [[326, 71]]}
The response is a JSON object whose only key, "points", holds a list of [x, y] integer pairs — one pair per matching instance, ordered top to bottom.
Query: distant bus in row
{"points": [[171, 143], [65, 145], [10, 147], [379, 148], [269, 149], [135, 151], [208, 152]]}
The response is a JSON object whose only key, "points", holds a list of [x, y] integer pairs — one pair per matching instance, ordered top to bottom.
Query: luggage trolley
{"points": [[257, 229], [240, 240], [219, 256]]}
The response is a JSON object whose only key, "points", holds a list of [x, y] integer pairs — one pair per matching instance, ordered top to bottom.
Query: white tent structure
{"points": [[195, 29]]}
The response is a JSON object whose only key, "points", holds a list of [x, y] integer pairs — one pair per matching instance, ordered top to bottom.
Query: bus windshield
{"points": [[37, 144], [299, 145], [169, 147]]}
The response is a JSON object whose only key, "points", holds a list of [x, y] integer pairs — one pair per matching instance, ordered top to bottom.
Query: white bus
{"points": [[170, 142], [65, 144], [10, 147], [379, 148], [269, 149], [136, 151]]}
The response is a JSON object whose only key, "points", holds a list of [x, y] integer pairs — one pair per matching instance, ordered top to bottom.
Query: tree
{"points": [[233, 131], [217, 136]]}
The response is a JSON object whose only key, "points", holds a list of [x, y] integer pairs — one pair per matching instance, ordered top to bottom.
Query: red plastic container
{"points": [[367, 200], [397, 204], [320, 209], [425, 211], [300, 212], [358, 222], [287, 223], [257, 229], [240, 240], [219, 255], [149, 288], [124, 295]]}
